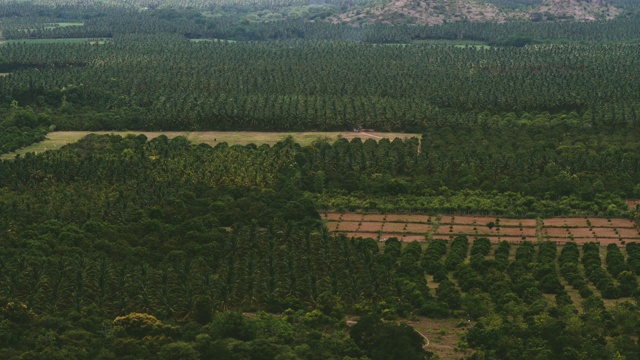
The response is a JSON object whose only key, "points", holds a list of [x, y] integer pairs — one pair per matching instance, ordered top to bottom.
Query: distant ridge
{"points": [[436, 12]]}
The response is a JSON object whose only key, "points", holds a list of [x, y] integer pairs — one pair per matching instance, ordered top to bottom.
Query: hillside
{"points": [[435, 12]]}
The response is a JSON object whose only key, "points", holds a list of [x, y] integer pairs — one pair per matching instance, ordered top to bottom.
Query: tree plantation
{"points": [[166, 82], [128, 247]]}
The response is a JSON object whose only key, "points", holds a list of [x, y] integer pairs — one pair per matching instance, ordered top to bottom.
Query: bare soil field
{"points": [[57, 139], [333, 216], [351, 217], [373, 217], [407, 218], [471, 219], [484, 220], [518, 222], [565, 222], [600, 222], [623, 223], [332, 225], [348, 226], [371, 226], [394, 227], [409, 227], [417, 228], [466, 229], [517, 232], [556, 232], [582, 232], [606, 232], [628, 233]]}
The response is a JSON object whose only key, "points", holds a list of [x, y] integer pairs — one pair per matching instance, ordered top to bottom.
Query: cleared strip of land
{"points": [[57, 139], [409, 227]]}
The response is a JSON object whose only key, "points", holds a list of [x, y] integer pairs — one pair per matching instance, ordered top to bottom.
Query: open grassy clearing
{"points": [[64, 24], [212, 40], [53, 41], [57, 139], [442, 336]]}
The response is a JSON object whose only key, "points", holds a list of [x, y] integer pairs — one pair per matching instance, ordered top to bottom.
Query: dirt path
{"points": [[371, 135]]}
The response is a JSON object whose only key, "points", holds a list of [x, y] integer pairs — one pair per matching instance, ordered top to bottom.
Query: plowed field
{"points": [[409, 227]]}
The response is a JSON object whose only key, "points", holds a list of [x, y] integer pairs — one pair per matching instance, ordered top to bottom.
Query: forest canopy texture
{"points": [[128, 247]]}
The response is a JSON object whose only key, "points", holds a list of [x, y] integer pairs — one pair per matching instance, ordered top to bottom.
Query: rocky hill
{"points": [[435, 12]]}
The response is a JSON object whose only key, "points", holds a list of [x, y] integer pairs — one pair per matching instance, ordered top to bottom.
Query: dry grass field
{"points": [[57, 139]]}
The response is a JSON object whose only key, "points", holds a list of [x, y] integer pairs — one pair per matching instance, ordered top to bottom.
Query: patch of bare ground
{"points": [[578, 10], [422, 12], [437, 12], [632, 203], [442, 336]]}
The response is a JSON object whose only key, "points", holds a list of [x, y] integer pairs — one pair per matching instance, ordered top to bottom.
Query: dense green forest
{"points": [[166, 82], [119, 247], [129, 248]]}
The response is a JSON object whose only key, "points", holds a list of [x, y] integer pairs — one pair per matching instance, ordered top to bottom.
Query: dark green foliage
{"points": [[133, 249], [633, 250], [457, 253], [432, 259], [615, 261], [594, 272], [387, 340]]}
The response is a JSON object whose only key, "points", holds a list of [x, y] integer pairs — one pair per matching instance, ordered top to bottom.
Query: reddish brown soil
{"points": [[333, 216], [351, 217], [373, 217], [397, 217], [446, 219], [479, 220], [518, 222], [566, 222], [600, 222], [622, 223], [332, 225], [348, 226], [371, 226], [394, 227], [409, 227], [417, 228], [467, 229], [516, 231], [556, 232], [581, 232], [605, 232], [629, 233]]}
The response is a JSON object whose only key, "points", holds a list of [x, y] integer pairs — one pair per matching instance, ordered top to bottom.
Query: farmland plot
{"points": [[409, 227]]}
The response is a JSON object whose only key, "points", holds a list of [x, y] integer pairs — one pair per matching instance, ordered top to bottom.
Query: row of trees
{"points": [[164, 82], [145, 239]]}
